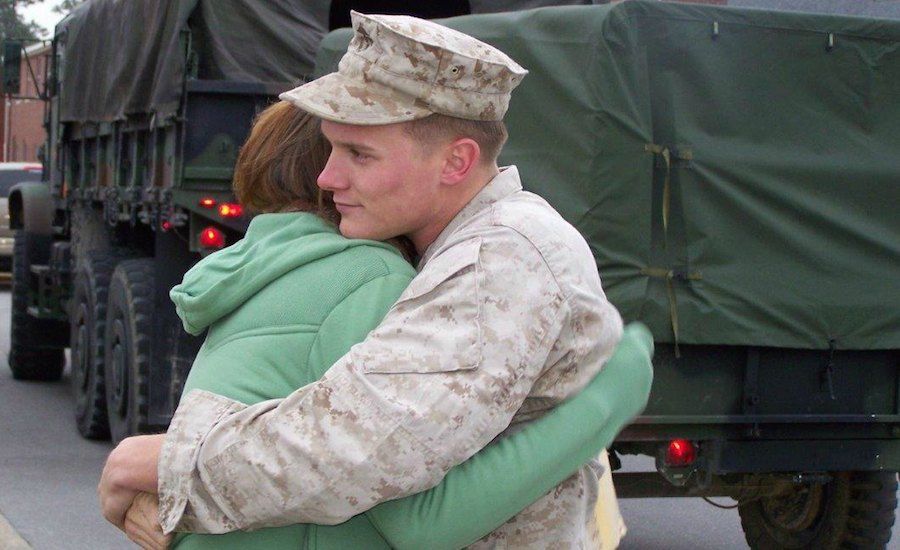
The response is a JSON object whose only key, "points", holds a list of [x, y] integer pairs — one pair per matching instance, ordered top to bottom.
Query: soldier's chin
{"points": [[355, 231]]}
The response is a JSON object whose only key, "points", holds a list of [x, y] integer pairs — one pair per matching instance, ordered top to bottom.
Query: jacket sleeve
{"points": [[250, 378], [433, 384], [479, 495]]}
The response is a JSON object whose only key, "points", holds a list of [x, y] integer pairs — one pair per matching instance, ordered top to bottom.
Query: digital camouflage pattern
{"points": [[400, 68], [505, 320]]}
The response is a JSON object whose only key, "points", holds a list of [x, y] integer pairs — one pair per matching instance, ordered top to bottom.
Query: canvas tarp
{"points": [[125, 57], [735, 172]]}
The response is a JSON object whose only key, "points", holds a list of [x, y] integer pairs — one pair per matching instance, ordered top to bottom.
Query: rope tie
{"points": [[668, 155]]}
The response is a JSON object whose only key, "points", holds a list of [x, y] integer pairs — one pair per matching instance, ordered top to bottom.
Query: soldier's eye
{"points": [[357, 156]]}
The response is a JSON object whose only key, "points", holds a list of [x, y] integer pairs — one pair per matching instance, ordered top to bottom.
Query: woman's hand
{"points": [[142, 523]]}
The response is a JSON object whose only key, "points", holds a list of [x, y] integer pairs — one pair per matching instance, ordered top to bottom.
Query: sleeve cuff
{"points": [[197, 413]]}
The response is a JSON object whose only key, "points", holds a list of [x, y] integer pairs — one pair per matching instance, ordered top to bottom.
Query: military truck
{"points": [[149, 103], [734, 171]]}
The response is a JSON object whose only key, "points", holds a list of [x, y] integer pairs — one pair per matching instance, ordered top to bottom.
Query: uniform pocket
{"points": [[442, 267], [436, 324]]}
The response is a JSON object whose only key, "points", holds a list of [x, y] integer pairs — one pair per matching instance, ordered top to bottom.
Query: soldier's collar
{"points": [[504, 184]]}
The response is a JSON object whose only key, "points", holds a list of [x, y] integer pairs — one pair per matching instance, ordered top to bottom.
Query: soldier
{"points": [[505, 319]]}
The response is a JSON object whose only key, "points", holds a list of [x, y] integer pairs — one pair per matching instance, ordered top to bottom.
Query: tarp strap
{"points": [[662, 152], [667, 155], [665, 158], [667, 194], [671, 275]]}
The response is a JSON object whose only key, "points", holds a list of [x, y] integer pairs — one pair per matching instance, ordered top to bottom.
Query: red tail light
{"points": [[208, 202], [231, 210], [166, 225], [212, 238], [681, 452]]}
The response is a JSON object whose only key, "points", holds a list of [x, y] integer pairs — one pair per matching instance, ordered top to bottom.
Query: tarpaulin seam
{"points": [[873, 37]]}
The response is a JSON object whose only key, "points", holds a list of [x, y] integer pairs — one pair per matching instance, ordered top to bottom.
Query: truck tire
{"points": [[87, 322], [129, 326], [30, 358], [853, 510]]}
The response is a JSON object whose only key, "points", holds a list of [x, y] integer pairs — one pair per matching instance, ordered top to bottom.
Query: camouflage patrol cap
{"points": [[400, 68]]}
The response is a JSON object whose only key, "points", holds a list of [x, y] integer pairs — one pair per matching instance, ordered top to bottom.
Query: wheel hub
{"points": [[797, 509]]}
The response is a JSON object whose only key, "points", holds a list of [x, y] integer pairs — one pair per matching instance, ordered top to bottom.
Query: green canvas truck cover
{"points": [[126, 57], [736, 172]]}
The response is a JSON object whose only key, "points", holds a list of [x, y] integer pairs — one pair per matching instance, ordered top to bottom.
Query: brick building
{"points": [[23, 119]]}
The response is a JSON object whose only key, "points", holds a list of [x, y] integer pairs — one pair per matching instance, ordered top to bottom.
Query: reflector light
{"points": [[207, 202], [231, 210], [166, 225], [212, 238], [680, 452]]}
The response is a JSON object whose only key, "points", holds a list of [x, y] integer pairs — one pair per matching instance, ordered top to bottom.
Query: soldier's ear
{"points": [[461, 157]]}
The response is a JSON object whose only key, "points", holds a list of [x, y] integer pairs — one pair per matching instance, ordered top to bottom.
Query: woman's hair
{"points": [[278, 165]]}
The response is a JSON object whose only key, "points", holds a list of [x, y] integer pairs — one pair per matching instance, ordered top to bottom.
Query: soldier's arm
{"points": [[251, 383], [434, 383], [482, 493]]}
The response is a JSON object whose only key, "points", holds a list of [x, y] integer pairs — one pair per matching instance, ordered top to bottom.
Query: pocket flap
{"points": [[443, 267], [441, 333]]}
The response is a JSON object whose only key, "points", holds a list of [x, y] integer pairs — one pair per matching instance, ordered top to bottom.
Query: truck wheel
{"points": [[87, 322], [129, 325], [30, 358], [853, 510]]}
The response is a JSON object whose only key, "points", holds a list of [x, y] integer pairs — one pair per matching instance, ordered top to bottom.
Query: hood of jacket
{"points": [[274, 245]]}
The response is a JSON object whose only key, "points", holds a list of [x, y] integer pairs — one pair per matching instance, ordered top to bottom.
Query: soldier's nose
{"points": [[329, 179]]}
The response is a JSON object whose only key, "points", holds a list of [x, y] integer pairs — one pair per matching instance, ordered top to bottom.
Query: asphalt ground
{"points": [[48, 473], [48, 477]]}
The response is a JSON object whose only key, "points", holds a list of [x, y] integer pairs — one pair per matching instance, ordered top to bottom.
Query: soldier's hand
{"points": [[130, 469], [114, 502], [142, 523]]}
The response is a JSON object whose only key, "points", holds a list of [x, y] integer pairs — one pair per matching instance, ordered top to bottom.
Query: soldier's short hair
{"points": [[490, 135], [279, 164]]}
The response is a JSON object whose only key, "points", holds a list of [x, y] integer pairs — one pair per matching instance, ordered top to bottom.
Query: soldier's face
{"points": [[384, 183]]}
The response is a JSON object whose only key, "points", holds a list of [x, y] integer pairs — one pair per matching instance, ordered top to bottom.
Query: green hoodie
{"points": [[284, 303]]}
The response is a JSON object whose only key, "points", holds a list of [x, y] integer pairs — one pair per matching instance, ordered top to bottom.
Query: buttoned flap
{"points": [[442, 267], [436, 324]]}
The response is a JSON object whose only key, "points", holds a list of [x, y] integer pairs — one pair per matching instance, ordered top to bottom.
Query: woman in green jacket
{"points": [[289, 299]]}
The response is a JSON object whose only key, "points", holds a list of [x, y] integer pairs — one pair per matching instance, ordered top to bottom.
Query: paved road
{"points": [[48, 476]]}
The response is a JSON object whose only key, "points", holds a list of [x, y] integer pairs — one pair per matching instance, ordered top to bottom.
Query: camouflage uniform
{"points": [[400, 68], [505, 319]]}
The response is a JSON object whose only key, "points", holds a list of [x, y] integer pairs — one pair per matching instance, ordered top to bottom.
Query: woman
{"points": [[284, 303]]}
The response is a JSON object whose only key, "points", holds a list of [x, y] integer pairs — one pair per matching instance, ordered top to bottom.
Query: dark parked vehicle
{"points": [[734, 171], [12, 173]]}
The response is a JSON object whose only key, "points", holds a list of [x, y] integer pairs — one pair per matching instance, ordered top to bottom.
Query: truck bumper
{"points": [[807, 456], [737, 468]]}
